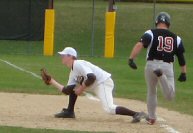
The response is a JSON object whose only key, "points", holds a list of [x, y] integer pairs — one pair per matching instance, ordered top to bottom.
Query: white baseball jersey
{"points": [[82, 68]]}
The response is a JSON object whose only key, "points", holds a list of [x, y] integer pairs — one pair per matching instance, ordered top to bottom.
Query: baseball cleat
{"points": [[158, 72], [65, 113], [138, 116], [150, 121]]}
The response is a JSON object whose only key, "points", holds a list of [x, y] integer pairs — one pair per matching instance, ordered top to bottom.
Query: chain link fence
{"points": [[81, 24]]}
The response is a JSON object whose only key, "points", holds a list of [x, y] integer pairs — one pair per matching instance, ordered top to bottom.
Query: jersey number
{"points": [[169, 44]]}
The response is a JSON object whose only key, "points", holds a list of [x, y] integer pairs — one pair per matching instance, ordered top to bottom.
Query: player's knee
{"points": [[68, 90], [171, 94], [170, 97], [110, 109]]}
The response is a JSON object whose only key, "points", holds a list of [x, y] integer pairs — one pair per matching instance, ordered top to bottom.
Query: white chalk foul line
{"points": [[21, 69], [88, 95], [161, 119], [167, 127]]}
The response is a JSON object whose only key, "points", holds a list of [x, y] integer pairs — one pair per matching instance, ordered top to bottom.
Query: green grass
{"points": [[73, 28], [129, 84], [7, 129]]}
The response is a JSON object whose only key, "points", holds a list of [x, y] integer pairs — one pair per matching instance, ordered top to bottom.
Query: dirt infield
{"points": [[36, 111]]}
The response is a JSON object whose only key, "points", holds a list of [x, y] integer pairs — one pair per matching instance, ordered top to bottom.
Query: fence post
{"points": [[154, 12], [93, 28]]}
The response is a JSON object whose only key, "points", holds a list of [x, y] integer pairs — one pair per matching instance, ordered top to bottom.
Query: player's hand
{"points": [[132, 64], [182, 77], [78, 91]]}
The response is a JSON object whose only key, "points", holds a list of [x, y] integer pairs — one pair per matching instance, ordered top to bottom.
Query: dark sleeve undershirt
{"points": [[146, 40], [180, 54], [181, 60], [90, 79]]}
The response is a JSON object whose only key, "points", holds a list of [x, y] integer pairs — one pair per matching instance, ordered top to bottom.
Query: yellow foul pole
{"points": [[49, 30], [110, 30]]}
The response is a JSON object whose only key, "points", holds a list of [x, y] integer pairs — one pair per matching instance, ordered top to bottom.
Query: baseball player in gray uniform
{"points": [[161, 45], [86, 76]]}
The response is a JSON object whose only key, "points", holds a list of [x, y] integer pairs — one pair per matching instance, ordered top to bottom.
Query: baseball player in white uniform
{"points": [[89, 77]]}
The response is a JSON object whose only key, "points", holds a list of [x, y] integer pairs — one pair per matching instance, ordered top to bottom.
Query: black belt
{"points": [[160, 60]]}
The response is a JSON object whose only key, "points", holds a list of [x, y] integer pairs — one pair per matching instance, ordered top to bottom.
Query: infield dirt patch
{"points": [[36, 111]]}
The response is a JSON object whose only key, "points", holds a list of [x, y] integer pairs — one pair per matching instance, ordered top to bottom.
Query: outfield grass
{"points": [[73, 28], [129, 84], [7, 129]]}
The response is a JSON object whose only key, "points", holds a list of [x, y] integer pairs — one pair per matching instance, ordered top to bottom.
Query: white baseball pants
{"points": [[104, 92]]}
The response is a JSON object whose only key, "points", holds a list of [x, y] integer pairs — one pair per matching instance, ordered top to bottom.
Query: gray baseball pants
{"points": [[166, 82]]}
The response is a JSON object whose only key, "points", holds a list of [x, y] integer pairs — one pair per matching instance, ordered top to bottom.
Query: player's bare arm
{"points": [[136, 50], [48, 80], [56, 84]]}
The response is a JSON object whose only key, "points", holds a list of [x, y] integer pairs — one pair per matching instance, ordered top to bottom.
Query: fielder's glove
{"points": [[132, 64], [45, 77], [182, 77]]}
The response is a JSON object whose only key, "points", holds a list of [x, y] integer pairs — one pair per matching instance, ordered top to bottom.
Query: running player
{"points": [[161, 45], [89, 77]]}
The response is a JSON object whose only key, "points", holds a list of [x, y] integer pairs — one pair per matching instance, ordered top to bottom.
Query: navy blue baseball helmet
{"points": [[163, 17]]}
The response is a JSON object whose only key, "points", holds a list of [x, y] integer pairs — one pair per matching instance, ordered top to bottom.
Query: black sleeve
{"points": [[146, 40], [180, 49], [180, 54], [181, 60], [90, 79], [68, 89]]}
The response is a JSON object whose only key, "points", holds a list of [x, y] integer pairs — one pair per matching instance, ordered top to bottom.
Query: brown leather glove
{"points": [[45, 76]]}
